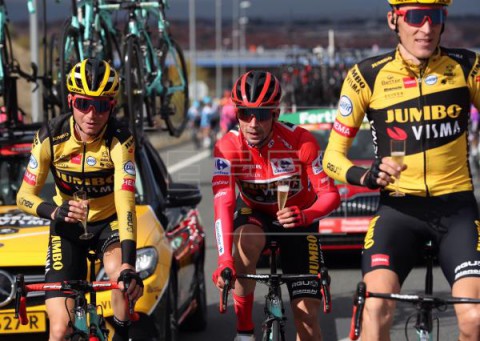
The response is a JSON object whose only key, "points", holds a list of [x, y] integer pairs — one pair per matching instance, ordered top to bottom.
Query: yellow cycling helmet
{"points": [[423, 2], [93, 77]]}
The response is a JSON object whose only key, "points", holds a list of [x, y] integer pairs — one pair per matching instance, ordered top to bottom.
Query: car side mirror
{"points": [[180, 194]]}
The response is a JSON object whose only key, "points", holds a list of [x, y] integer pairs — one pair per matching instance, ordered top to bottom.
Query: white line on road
{"points": [[190, 161]]}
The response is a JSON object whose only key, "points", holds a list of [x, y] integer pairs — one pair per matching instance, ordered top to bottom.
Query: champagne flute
{"points": [[397, 152], [283, 187], [81, 196]]}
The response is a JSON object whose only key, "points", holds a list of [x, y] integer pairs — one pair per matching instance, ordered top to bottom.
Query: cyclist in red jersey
{"points": [[255, 157]]}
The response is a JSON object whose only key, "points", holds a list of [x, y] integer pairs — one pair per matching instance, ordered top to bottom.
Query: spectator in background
{"points": [[207, 113], [194, 117], [228, 118]]}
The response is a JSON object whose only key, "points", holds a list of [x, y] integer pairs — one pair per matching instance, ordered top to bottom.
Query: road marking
{"points": [[187, 162]]}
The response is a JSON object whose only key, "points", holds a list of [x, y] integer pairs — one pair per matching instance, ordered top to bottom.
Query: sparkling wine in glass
{"points": [[397, 152], [283, 187], [81, 196]]}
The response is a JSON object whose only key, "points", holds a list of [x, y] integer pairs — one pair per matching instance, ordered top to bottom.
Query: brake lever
{"points": [[227, 275], [325, 288], [358, 305]]}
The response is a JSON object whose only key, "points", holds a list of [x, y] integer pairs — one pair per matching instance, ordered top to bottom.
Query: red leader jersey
{"points": [[291, 153]]}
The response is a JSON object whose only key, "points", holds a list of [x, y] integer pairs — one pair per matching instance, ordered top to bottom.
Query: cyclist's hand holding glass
{"points": [[382, 173], [71, 211], [290, 217], [218, 276]]}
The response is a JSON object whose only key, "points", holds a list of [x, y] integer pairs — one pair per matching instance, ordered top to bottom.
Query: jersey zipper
{"points": [[421, 103], [83, 165]]}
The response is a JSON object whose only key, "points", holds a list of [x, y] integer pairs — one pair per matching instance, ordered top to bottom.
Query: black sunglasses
{"points": [[260, 114]]}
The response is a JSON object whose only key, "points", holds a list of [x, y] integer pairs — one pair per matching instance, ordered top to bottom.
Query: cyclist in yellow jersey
{"points": [[418, 95], [87, 149]]}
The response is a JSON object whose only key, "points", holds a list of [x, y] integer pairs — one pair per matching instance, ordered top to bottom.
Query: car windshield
{"points": [[362, 146]]}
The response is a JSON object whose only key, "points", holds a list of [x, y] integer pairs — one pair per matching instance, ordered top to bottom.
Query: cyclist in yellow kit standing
{"points": [[419, 93], [86, 150]]}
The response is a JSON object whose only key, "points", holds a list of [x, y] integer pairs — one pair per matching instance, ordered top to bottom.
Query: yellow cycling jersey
{"points": [[427, 107], [104, 168]]}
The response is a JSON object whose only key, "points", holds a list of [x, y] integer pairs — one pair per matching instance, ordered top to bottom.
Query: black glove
{"points": [[371, 176], [62, 212], [126, 277]]}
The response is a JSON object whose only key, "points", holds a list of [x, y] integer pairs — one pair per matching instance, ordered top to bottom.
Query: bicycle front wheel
{"points": [[70, 54], [134, 87], [174, 97], [274, 333]]}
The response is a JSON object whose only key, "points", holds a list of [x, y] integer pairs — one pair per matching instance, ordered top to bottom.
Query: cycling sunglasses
{"points": [[417, 16], [84, 104], [260, 114]]}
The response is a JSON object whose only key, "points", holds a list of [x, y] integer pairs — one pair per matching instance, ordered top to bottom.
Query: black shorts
{"points": [[398, 233], [299, 247], [67, 254]]}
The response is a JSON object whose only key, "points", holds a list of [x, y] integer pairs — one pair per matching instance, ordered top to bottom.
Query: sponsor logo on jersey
{"points": [[382, 61], [431, 79], [409, 82], [345, 106], [344, 130], [76, 158], [91, 161], [32, 163], [317, 164], [221, 166], [282, 166], [129, 168], [30, 178], [128, 185], [370, 233], [219, 236], [313, 255], [380, 259]]}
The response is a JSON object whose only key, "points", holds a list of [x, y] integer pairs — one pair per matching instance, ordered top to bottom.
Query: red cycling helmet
{"points": [[256, 89]]}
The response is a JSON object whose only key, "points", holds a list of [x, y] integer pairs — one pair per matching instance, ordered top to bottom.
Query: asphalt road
{"points": [[195, 166]]}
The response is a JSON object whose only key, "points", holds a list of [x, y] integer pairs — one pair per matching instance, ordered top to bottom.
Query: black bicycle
{"points": [[424, 304], [275, 319]]}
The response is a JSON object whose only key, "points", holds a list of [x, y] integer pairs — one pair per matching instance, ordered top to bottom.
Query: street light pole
{"points": [[243, 20], [235, 36], [218, 48], [193, 50]]}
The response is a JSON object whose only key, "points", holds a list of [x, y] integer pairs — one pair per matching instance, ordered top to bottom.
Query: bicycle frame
{"points": [[274, 308]]}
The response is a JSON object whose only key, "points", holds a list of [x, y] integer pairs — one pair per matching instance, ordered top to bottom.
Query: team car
{"points": [[344, 228], [170, 247]]}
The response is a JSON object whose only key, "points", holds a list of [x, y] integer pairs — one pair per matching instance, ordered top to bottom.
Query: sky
{"points": [[265, 9]]}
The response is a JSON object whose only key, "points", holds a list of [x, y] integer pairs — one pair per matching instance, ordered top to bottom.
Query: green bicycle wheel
{"points": [[69, 56], [134, 87], [51, 94], [174, 98]]}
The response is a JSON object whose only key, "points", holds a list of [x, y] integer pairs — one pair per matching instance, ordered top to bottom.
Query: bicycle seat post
{"points": [[273, 256], [92, 257], [424, 315]]}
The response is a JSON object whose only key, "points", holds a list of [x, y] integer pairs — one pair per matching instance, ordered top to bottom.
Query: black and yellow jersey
{"points": [[428, 107], [104, 168]]}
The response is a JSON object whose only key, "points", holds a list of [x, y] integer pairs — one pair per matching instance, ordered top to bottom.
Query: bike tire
{"points": [[70, 54], [134, 87], [174, 104], [274, 332]]}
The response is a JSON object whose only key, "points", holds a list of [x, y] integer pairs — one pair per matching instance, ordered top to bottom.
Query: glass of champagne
{"points": [[397, 152], [283, 187], [81, 196]]}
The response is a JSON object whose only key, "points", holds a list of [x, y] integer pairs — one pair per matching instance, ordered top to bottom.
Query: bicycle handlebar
{"points": [[227, 275], [70, 286]]}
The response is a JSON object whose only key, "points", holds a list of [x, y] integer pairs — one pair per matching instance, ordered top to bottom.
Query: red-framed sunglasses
{"points": [[418, 16], [99, 104], [260, 114]]}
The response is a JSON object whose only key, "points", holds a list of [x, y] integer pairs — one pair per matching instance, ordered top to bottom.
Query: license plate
{"points": [[37, 322]]}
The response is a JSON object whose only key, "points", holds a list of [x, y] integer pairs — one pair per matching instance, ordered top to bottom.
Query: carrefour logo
{"points": [[221, 166], [282, 166]]}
